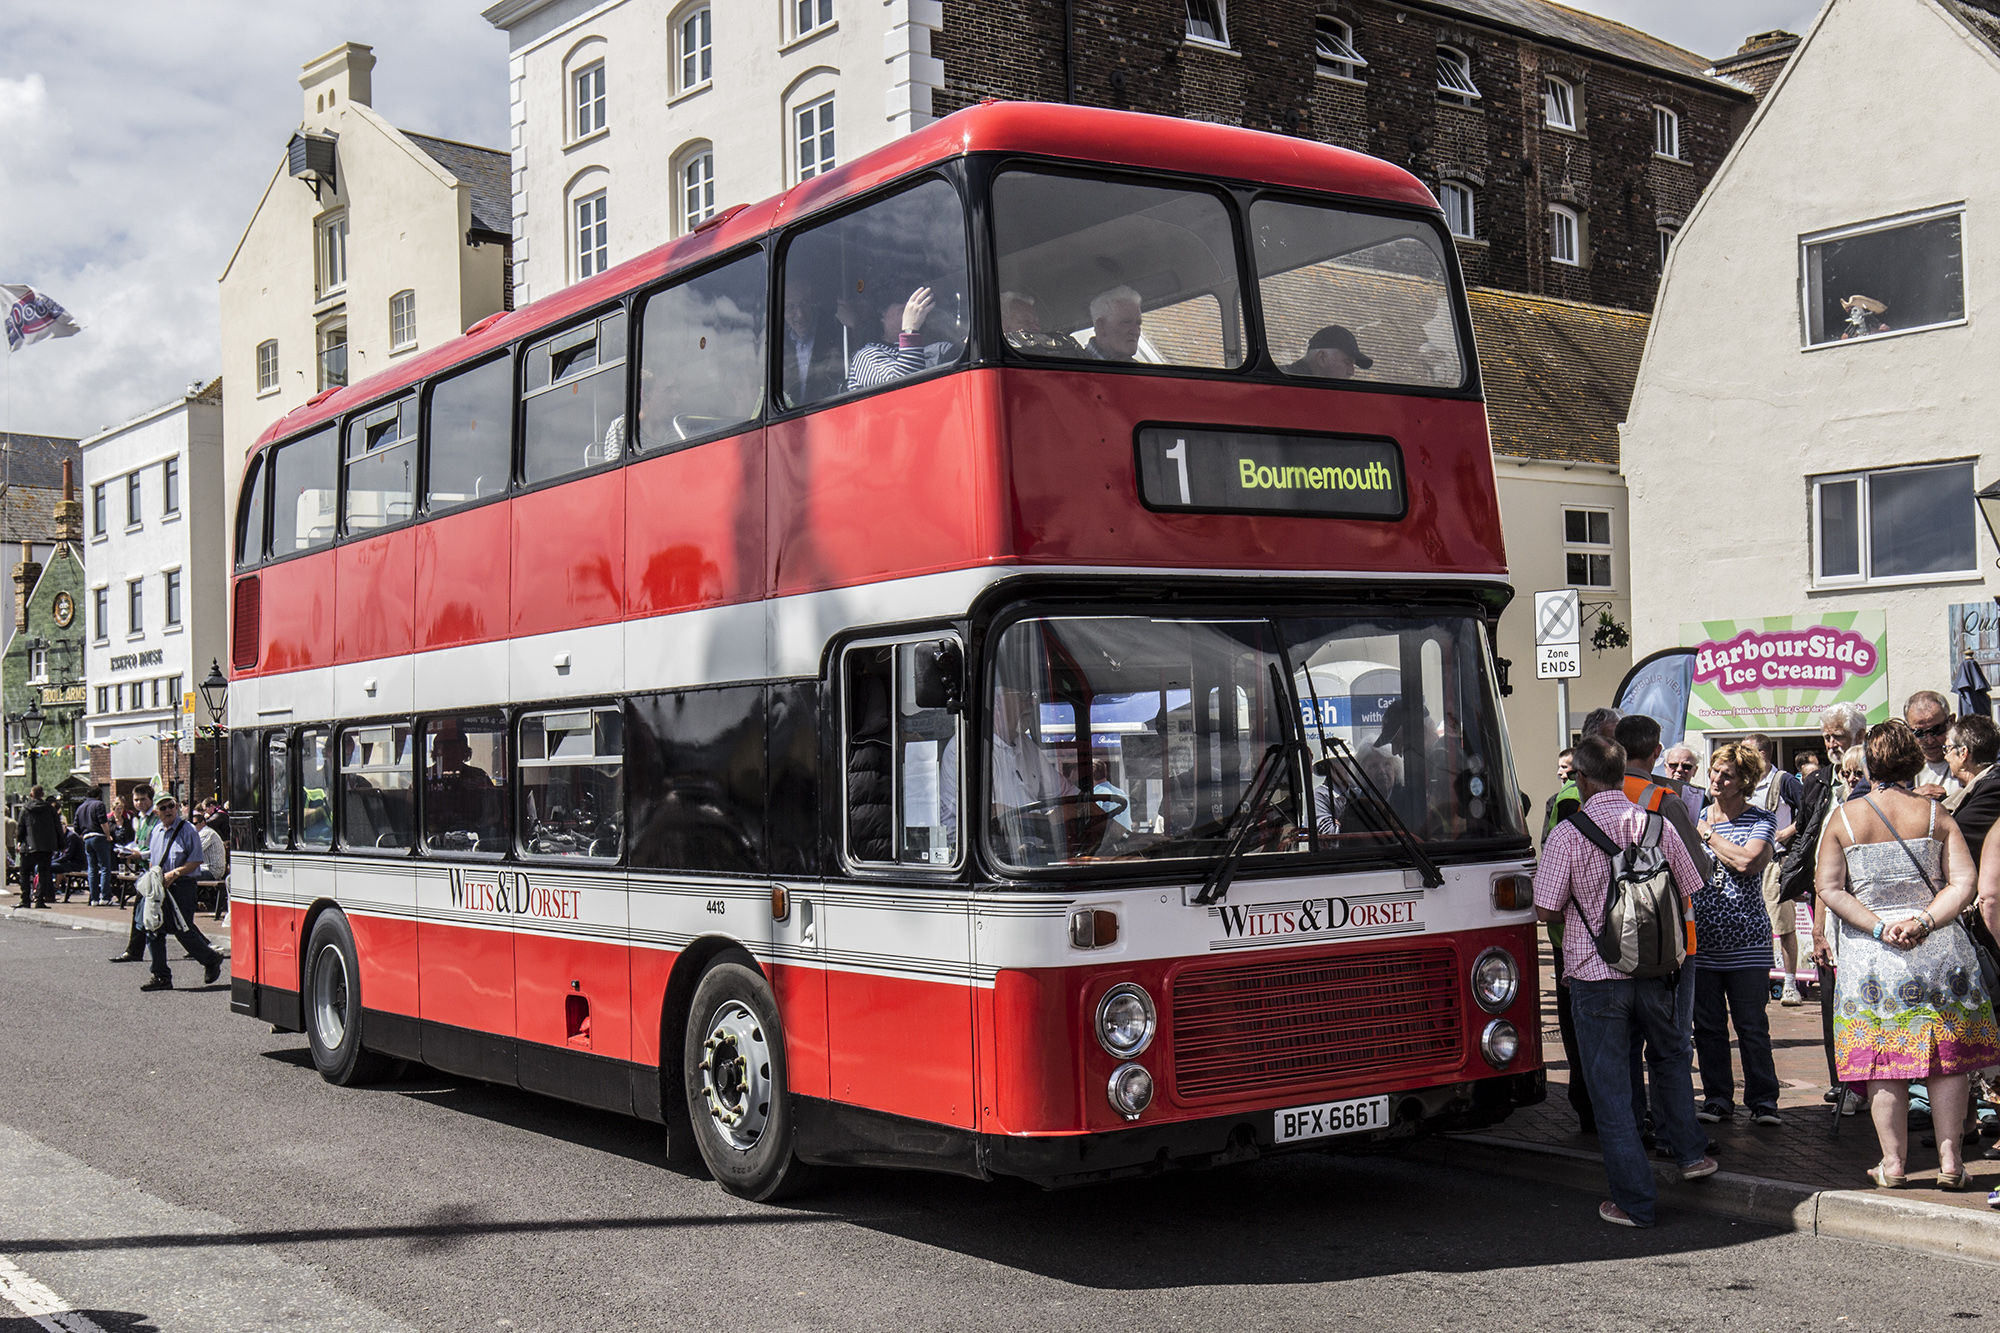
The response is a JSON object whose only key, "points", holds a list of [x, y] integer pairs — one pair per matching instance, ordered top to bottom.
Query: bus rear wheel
{"points": [[332, 994], [737, 1096]]}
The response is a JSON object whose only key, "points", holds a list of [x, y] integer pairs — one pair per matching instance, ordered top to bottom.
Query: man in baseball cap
{"points": [[1333, 354]]}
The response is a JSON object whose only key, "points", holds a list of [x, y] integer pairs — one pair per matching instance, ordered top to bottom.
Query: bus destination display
{"points": [[1240, 472]]}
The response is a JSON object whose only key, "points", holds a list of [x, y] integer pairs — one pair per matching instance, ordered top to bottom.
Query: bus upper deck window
{"points": [[1102, 270], [1350, 295], [875, 296], [702, 355], [574, 399], [469, 435], [382, 466], [304, 482]]}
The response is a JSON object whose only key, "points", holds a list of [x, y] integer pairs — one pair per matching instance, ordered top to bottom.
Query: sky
{"points": [[136, 137]]}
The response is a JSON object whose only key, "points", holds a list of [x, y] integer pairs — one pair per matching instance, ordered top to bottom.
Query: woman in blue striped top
{"points": [[1733, 942]]}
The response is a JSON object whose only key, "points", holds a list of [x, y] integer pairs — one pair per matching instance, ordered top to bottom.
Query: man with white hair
{"points": [[1115, 323]]}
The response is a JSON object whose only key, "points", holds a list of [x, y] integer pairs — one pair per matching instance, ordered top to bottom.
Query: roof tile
{"points": [[1558, 374]]}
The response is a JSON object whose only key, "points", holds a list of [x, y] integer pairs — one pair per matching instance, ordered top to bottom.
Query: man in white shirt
{"points": [[1929, 715], [215, 861]]}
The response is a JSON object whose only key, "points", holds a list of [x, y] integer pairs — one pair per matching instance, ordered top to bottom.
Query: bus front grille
{"points": [[1266, 1026]]}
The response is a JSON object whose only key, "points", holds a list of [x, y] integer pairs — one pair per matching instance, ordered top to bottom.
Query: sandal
{"points": [[1884, 1181], [1954, 1181]]}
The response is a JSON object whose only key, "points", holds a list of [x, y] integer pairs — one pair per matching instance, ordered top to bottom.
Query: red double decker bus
{"points": [[982, 662]]}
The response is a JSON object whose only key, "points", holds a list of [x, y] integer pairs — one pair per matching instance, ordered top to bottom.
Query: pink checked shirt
{"points": [[1574, 874]]}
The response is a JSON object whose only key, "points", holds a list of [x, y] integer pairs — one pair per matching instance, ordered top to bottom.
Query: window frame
{"points": [[822, 12], [1219, 24], [703, 55], [1343, 59], [1463, 90], [1559, 95], [587, 100], [826, 105], [1667, 132], [686, 188], [1463, 189], [1559, 214], [1667, 235], [1808, 241], [330, 254], [590, 260], [408, 318], [324, 337], [635, 349], [523, 358], [267, 382], [394, 405], [426, 433], [170, 486], [135, 500], [100, 510], [1864, 528], [1608, 548], [171, 598], [135, 607], [100, 609], [331, 730], [420, 731], [338, 750], [517, 786], [849, 861]]}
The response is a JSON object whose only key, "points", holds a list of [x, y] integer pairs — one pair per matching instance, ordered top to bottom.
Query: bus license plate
{"points": [[1329, 1118]]}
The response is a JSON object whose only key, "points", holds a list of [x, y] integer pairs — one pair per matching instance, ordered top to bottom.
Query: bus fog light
{"points": [[1496, 980], [1126, 1021], [1500, 1043], [1130, 1090]]}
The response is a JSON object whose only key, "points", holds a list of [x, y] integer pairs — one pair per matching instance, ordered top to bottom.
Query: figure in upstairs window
{"points": [[1864, 316], [902, 351]]}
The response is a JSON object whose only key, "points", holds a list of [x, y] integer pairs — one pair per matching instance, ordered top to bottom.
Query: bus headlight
{"points": [[1496, 980], [1126, 1021], [1500, 1043], [1130, 1090]]}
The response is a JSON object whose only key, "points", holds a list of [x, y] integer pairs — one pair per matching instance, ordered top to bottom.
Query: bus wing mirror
{"points": [[940, 676]]}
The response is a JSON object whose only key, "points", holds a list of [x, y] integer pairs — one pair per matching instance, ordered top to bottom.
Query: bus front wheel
{"points": [[332, 995], [734, 1058]]}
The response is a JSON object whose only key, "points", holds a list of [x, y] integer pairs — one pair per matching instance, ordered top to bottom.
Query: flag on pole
{"points": [[32, 316]]}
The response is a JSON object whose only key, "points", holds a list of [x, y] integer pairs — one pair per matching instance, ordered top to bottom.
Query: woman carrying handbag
{"points": [[1895, 872]]}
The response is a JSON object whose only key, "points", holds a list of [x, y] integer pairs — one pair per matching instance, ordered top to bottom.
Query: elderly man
{"points": [[1115, 324], [1929, 715], [1841, 727], [175, 851], [1573, 884]]}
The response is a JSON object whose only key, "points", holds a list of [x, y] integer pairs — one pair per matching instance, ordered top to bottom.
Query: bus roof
{"points": [[1045, 129]]}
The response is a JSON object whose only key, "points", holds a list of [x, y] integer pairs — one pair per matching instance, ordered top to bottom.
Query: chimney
{"points": [[331, 81], [69, 509], [25, 576]]}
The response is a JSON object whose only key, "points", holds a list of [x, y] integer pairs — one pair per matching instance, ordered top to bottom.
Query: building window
{"points": [[811, 15], [1208, 21], [1333, 47], [697, 52], [1454, 73], [590, 100], [1559, 103], [1666, 133], [815, 138], [698, 189], [1457, 201], [593, 234], [1565, 235], [1667, 235], [332, 249], [1884, 277], [402, 320], [333, 356], [267, 365], [170, 486], [99, 511], [134, 511], [1895, 525], [1587, 547], [173, 597], [135, 607], [100, 614], [38, 664], [174, 695], [103, 698]]}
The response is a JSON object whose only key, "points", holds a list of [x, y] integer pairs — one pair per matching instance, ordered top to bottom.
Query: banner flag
{"points": [[31, 317]]}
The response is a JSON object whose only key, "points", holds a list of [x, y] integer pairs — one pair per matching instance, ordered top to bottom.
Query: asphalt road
{"points": [[167, 1165]]}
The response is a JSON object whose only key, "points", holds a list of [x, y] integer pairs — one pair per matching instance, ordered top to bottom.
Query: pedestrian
{"points": [[1929, 716], [1603, 724], [1841, 728], [1970, 747], [1807, 763], [1682, 764], [1562, 785], [1779, 792], [144, 820], [93, 821], [38, 829], [175, 851], [215, 860], [1896, 873], [1572, 884], [1733, 967]]}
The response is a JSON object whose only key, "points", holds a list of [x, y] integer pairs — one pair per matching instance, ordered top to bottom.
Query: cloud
{"points": [[1713, 28], [136, 138]]}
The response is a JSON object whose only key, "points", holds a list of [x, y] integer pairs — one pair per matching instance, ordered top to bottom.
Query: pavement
{"points": [[76, 914], [1808, 1174]]}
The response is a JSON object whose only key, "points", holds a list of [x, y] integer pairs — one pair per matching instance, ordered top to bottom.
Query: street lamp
{"points": [[215, 698], [32, 722]]}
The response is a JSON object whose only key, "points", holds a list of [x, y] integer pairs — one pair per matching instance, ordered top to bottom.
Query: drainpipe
{"points": [[1069, 51]]}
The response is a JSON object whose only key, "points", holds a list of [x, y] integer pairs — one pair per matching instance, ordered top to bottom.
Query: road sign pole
{"points": [[1562, 713]]}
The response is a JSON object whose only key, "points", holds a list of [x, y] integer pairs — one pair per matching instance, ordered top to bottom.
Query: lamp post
{"points": [[215, 698], [32, 722]]}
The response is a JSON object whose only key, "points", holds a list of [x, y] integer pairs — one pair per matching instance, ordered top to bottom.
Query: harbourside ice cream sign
{"points": [[1779, 672]]}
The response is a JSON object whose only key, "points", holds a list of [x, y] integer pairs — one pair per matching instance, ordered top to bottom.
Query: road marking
{"points": [[40, 1304]]}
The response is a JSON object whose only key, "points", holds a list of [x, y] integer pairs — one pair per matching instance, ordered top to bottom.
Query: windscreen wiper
{"points": [[1251, 813]]}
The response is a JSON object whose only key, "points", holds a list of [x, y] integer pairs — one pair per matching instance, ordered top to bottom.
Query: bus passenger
{"points": [[1115, 323], [1022, 324], [902, 351], [1333, 354], [813, 361]]}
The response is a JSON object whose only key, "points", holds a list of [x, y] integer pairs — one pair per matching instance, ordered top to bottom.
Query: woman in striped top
{"points": [[902, 351], [1733, 960]]}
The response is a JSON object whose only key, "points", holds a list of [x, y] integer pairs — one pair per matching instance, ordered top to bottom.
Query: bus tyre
{"points": [[332, 996], [737, 1097]]}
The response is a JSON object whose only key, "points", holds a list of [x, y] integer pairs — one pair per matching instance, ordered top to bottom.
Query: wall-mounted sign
{"points": [[1238, 472], [64, 610], [129, 661], [1779, 672], [64, 694]]}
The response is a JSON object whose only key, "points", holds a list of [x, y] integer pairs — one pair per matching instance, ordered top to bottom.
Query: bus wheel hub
{"points": [[736, 1074]]}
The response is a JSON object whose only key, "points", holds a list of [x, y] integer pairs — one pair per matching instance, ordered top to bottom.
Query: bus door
{"points": [[311, 870], [898, 931], [276, 934]]}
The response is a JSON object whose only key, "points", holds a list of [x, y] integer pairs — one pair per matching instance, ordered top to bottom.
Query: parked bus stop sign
{"points": [[1558, 635]]}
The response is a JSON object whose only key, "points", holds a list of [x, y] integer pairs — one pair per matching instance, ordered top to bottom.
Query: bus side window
{"points": [[855, 286], [701, 360], [574, 399], [469, 436], [382, 466], [304, 479], [250, 515], [901, 759], [697, 761], [315, 765], [573, 783], [465, 785], [245, 791], [278, 792], [871, 797], [378, 807]]}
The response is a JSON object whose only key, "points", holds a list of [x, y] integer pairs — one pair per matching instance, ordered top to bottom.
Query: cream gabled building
{"points": [[368, 244]]}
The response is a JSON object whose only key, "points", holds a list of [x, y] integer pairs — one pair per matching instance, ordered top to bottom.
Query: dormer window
{"points": [[1454, 75]]}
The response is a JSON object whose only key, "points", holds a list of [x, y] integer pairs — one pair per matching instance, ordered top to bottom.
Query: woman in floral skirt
{"points": [[1895, 871]]}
